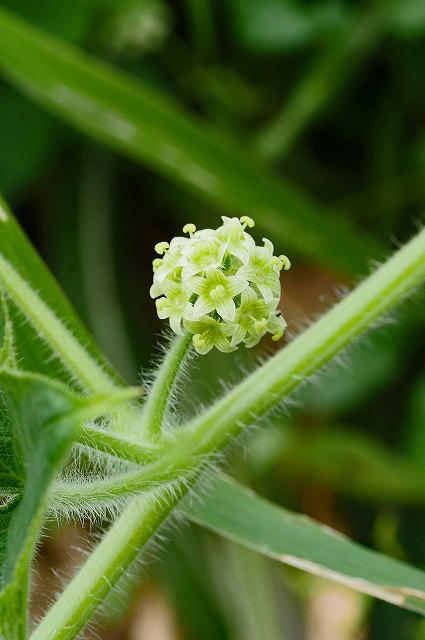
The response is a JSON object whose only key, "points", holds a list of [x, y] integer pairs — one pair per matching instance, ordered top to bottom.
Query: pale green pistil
{"points": [[218, 294]]}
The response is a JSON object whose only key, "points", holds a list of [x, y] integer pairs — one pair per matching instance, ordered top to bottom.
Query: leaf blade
{"points": [[141, 123], [17, 252], [39, 420], [41, 429], [244, 517]]}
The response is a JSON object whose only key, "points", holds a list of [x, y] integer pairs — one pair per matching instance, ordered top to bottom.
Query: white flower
{"points": [[234, 239], [202, 255], [172, 260], [262, 270], [220, 285], [216, 292], [175, 305], [251, 318], [209, 333]]}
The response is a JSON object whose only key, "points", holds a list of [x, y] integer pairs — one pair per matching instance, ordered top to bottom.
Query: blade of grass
{"points": [[320, 84], [141, 123], [16, 250], [239, 514]]}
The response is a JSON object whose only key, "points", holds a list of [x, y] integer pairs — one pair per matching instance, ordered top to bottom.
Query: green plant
{"points": [[309, 117], [143, 457]]}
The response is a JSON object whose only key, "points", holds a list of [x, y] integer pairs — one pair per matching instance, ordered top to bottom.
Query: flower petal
{"points": [[197, 284], [236, 284], [170, 288], [155, 290], [266, 292], [248, 296], [202, 306], [226, 309], [176, 322], [238, 335], [202, 343], [223, 344]]}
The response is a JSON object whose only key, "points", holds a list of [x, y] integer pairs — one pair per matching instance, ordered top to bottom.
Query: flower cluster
{"points": [[220, 286]]}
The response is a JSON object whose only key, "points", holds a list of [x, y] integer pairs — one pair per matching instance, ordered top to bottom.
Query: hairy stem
{"points": [[270, 383], [159, 396], [214, 429], [117, 446], [87, 496], [115, 553]]}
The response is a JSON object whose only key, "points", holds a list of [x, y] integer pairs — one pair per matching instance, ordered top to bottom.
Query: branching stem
{"points": [[214, 429], [117, 445]]}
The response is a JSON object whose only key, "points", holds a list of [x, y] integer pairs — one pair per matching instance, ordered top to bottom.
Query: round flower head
{"points": [[220, 286]]}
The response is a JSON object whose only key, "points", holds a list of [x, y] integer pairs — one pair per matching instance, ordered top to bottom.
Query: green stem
{"points": [[355, 314], [7, 350], [80, 365], [159, 396], [213, 430], [117, 446], [89, 496], [117, 550]]}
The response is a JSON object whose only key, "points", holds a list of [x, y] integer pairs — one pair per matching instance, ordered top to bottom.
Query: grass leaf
{"points": [[145, 125], [41, 294], [239, 514]]}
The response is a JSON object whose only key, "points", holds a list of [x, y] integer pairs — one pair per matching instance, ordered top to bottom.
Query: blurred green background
{"points": [[314, 112]]}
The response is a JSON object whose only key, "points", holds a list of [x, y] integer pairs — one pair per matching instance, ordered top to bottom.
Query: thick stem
{"points": [[290, 367], [159, 396], [115, 553]]}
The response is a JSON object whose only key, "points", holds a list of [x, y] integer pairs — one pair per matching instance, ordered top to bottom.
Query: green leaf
{"points": [[20, 120], [141, 123], [42, 295], [7, 351], [39, 420], [240, 515]]}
